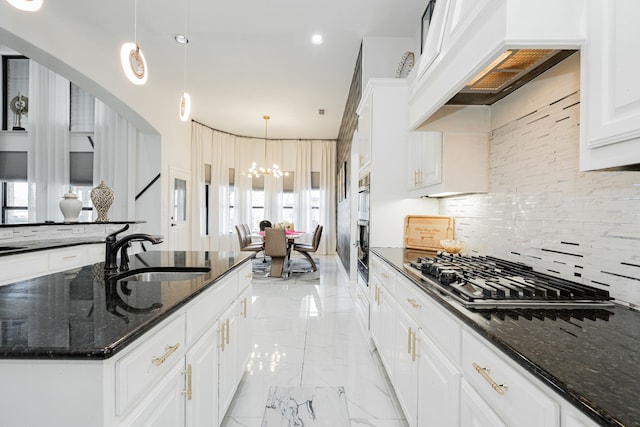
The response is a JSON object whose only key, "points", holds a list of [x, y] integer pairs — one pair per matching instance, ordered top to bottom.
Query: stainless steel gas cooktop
{"points": [[485, 282]]}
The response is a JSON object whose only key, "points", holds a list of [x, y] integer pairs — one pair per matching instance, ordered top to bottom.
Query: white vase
{"points": [[70, 206]]}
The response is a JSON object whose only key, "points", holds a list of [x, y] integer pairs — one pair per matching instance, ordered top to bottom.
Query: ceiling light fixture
{"points": [[26, 5], [317, 39], [131, 57], [185, 98], [274, 170]]}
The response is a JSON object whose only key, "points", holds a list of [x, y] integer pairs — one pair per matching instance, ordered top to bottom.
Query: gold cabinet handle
{"points": [[70, 257], [384, 275], [379, 296], [414, 303], [244, 307], [227, 324], [221, 330], [409, 333], [413, 346], [169, 351], [499, 388], [189, 390]]}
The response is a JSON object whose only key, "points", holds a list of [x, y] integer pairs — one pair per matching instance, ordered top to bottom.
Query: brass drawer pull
{"points": [[414, 303], [244, 308], [221, 330], [413, 346], [169, 351], [499, 388], [189, 390]]}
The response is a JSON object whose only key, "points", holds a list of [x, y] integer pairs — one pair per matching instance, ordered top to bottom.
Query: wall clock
{"points": [[405, 65]]}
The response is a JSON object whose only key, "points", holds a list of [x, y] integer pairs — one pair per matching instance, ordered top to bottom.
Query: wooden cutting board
{"points": [[425, 232]]}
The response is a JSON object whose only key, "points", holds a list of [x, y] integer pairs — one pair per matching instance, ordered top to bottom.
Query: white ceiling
{"points": [[248, 58]]}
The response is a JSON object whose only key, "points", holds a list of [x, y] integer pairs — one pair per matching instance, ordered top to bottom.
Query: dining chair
{"points": [[265, 223], [245, 241], [275, 246], [306, 248]]}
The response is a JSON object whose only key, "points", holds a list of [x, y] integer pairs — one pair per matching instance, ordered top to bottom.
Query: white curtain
{"points": [[199, 136], [48, 143], [229, 151], [114, 159], [302, 188], [328, 197]]}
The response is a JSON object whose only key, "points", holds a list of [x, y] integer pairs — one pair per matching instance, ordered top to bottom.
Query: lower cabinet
{"points": [[183, 372], [201, 372], [445, 374], [438, 385], [474, 411]]}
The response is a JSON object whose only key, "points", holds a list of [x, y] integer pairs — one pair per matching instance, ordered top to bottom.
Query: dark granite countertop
{"points": [[53, 223], [77, 314], [590, 357]]}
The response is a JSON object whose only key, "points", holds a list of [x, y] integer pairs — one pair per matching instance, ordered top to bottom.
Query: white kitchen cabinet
{"points": [[610, 94], [364, 133], [425, 160], [452, 163], [382, 286], [362, 304], [228, 363], [201, 376], [405, 380], [438, 385], [513, 396], [164, 405], [474, 411]]}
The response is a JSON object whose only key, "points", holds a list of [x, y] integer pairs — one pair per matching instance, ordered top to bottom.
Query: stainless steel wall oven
{"points": [[363, 228]]}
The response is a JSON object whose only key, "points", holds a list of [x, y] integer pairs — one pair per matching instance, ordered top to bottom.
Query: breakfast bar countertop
{"points": [[78, 314], [591, 357]]}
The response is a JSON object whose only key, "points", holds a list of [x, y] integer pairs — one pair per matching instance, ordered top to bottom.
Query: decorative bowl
{"points": [[451, 246]]}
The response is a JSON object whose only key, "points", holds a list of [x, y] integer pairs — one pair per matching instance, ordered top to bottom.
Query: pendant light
{"points": [[26, 5], [131, 56], [185, 99], [274, 170]]}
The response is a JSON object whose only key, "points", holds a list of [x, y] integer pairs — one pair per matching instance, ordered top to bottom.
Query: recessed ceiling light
{"points": [[26, 5], [181, 38], [317, 39]]}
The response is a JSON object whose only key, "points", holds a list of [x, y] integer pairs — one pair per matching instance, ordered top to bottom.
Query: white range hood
{"points": [[479, 35]]}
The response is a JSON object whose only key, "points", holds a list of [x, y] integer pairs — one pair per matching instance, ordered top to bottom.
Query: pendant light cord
{"points": [[135, 22], [186, 42]]}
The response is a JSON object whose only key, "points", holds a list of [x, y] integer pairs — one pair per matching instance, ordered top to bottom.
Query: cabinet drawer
{"points": [[65, 258], [375, 265], [18, 267], [207, 308], [435, 321], [137, 371], [521, 401]]}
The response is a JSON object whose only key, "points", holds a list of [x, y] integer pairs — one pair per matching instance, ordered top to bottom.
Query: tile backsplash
{"points": [[542, 211]]}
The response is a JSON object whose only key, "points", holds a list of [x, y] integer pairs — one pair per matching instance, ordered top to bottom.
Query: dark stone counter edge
{"points": [[53, 224], [107, 352], [580, 402]]}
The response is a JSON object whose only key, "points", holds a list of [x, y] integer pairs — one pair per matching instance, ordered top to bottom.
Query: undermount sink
{"points": [[10, 248], [165, 276]]}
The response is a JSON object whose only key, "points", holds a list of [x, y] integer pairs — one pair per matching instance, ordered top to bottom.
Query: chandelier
{"points": [[258, 171]]}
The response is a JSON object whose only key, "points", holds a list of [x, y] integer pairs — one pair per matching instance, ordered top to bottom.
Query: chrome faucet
{"points": [[113, 246]]}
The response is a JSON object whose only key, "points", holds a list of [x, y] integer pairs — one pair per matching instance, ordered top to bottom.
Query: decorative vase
{"points": [[102, 198], [70, 206]]}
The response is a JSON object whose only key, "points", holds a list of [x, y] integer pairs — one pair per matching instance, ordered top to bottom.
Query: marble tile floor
{"points": [[307, 334]]}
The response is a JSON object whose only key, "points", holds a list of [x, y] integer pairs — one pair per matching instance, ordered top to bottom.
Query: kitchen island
{"points": [[84, 349], [589, 357]]}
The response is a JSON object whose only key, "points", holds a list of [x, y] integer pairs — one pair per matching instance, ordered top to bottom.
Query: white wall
{"points": [[540, 209]]}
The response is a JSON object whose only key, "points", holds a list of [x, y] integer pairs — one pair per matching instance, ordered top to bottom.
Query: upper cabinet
{"points": [[474, 33], [610, 114]]}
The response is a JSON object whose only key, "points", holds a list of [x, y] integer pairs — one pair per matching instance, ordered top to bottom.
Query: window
{"points": [[426, 22], [15, 92], [81, 110], [81, 177], [288, 197], [257, 201], [15, 202], [206, 207]]}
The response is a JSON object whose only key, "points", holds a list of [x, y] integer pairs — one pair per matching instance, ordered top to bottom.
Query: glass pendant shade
{"points": [[26, 5], [133, 63], [185, 106]]}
